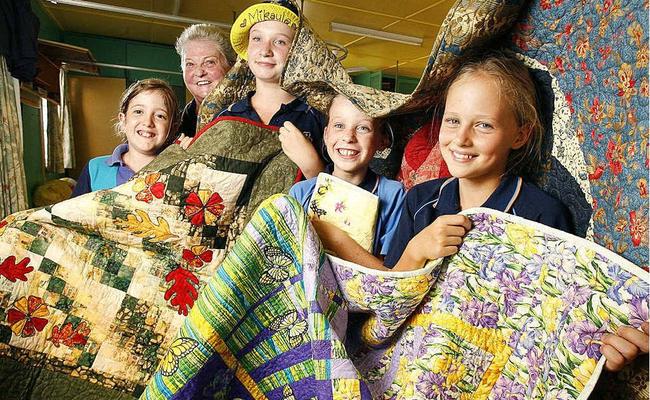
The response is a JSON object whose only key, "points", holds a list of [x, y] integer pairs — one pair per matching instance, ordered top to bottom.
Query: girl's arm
{"points": [[300, 150], [440, 239], [336, 240]]}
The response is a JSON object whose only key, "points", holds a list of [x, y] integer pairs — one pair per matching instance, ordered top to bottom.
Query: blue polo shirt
{"points": [[306, 118], [104, 172], [391, 198], [429, 200]]}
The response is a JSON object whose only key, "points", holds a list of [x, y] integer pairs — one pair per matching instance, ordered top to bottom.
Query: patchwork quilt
{"points": [[96, 287], [518, 313]]}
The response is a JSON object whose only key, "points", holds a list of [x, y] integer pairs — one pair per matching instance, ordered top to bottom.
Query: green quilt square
{"points": [[30, 228], [39, 246], [48, 266], [56, 285], [64, 304], [86, 359]]}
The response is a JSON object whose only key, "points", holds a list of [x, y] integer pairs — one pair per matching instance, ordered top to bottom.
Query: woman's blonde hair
{"points": [[209, 33], [151, 85], [517, 88]]}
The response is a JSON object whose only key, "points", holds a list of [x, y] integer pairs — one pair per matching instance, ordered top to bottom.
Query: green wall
{"points": [[49, 29], [106, 50]]}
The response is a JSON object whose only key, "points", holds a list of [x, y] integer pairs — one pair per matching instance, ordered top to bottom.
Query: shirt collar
{"points": [[295, 105], [116, 157], [368, 183], [501, 199]]}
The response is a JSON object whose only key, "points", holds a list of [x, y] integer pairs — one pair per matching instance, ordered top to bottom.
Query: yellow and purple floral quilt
{"points": [[518, 313]]}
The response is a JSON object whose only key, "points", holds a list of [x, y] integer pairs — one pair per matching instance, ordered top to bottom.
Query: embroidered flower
{"points": [[626, 82], [148, 188], [203, 207], [487, 223], [522, 238], [197, 255], [375, 285], [28, 316], [450, 367], [432, 386]]}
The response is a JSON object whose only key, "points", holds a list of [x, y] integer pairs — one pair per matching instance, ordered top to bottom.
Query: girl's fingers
{"points": [[452, 241], [635, 337], [623, 346], [614, 360]]}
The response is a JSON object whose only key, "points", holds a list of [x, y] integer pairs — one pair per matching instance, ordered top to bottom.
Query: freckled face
{"points": [[351, 140]]}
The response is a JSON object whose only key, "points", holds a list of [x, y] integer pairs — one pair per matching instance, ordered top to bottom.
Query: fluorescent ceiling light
{"points": [[141, 13], [393, 37]]}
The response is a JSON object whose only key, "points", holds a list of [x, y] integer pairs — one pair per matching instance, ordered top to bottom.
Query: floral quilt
{"points": [[94, 289], [517, 313]]}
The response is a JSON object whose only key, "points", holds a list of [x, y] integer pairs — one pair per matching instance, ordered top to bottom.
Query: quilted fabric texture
{"points": [[598, 54], [346, 206], [96, 287], [518, 312]]}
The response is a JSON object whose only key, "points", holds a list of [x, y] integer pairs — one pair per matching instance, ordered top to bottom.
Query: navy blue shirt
{"points": [[306, 118], [188, 120], [429, 200]]}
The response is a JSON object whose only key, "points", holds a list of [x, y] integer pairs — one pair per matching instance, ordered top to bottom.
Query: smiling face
{"points": [[269, 43], [203, 67], [145, 123], [479, 129], [351, 138]]}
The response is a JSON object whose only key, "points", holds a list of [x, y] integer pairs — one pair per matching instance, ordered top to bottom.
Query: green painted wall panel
{"points": [[48, 29], [104, 49], [156, 57], [32, 149]]}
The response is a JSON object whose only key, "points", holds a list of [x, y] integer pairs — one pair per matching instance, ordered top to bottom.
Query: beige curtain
{"points": [[65, 120], [52, 136], [13, 193]]}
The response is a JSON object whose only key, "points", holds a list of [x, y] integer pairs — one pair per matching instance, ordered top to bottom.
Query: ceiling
{"points": [[420, 19]]}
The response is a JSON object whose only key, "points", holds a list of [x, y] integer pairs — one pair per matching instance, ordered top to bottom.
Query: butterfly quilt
{"points": [[519, 311]]}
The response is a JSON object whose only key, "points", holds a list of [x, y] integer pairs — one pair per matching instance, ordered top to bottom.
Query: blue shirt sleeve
{"points": [[83, 183], [302, 191], [392, 203], [559, 217], [404, 232]]}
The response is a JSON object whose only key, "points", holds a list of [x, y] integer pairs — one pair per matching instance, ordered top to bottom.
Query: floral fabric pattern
{"points": [[98, 285], [518, 312]]}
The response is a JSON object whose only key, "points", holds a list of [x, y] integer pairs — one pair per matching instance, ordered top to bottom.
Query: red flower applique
{"points": [[149, 187], [203, 207], [197, 255], [12, 271], [183, 291], [28, 316], [68, 336]]}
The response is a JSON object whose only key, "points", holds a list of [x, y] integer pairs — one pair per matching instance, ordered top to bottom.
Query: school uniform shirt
{"points": [[188, 120], [309, 120], [104, 172], [391, 198], [429, 200]]}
